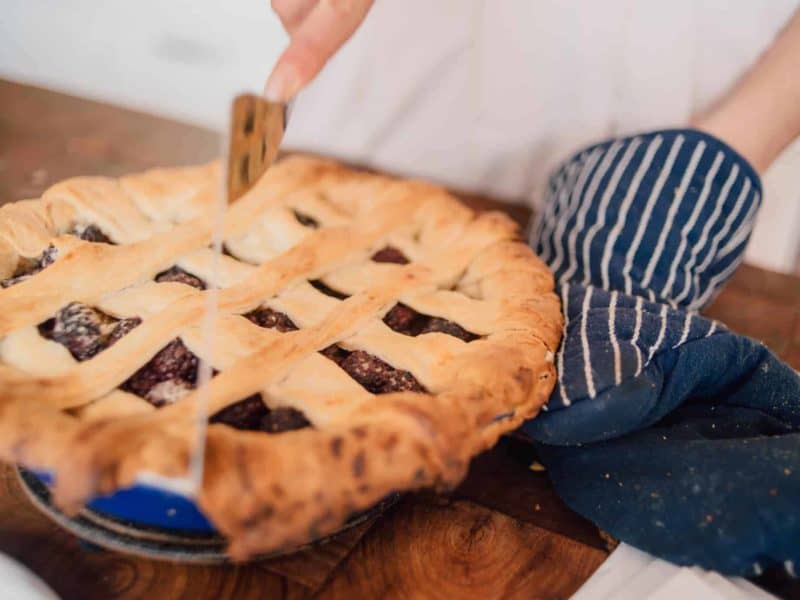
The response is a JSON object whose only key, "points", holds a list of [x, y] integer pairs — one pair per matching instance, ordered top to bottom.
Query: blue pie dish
{"points": [[147, 506]]}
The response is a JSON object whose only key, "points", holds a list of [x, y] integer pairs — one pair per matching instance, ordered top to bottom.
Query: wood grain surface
{"points": [[502, 534], [458, 549]]}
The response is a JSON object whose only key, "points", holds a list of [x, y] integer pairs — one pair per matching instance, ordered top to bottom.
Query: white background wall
{"points": [[180, 58], [186, 58]]}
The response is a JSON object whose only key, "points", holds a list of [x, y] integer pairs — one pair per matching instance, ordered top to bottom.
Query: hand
{"points": [[317, 29]]}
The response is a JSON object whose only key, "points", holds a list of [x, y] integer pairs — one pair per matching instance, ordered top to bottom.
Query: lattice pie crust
{"points": [[374, 335]]}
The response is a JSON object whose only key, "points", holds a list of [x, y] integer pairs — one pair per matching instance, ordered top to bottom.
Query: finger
{"points": [[293, 12], [327, 27]]}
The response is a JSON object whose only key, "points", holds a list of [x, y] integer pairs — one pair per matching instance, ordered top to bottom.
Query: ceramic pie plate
{"points": [[152, 523]]}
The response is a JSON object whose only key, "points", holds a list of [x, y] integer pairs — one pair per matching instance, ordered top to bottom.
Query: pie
{"points": [[373, 335]]}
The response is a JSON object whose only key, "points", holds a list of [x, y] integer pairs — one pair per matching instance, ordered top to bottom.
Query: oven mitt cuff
{"points": [[625, 363], [682, 415]]}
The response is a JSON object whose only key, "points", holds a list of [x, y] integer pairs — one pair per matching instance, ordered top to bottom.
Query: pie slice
{"points": [[374, 335]]}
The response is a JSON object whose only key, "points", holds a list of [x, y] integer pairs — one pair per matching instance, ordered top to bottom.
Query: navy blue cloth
{"points": [[666, 429]]}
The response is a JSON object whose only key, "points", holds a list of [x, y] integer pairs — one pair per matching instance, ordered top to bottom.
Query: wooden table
{"points": [[502, 533]]}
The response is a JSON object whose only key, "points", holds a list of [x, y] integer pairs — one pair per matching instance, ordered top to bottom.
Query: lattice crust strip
{"points": [[332, 260]]}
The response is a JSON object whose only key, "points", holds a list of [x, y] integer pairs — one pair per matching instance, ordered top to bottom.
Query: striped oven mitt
{"points": [[667, 430]]}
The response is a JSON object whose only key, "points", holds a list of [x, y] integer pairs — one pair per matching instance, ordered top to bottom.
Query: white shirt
{"points": [[489, 95]]}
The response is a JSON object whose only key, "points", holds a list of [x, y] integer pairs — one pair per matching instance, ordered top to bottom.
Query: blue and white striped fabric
{"points": [[664, 216], [640, 233], [611, 338], [652, 398]]}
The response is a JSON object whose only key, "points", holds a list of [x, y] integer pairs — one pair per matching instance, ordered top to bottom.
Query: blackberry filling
{"points": [[306, 220], [91, 233], [390, 254], [48, 257], [28, 267], [180, 276], [328, 291], [264, 316], [404, 319], [124, 326], [444, 326], [85, 331], [335, 353], [371, 372], [169, 376], [377, 376], [245, 414], [251, 414], [284, 418]]}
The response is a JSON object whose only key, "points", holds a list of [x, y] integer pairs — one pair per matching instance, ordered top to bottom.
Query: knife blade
{"points": [[256, 131], [251, 146]]}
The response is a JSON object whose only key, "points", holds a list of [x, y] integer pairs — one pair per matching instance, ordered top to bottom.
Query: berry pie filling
{"points": [[306, 220], [90, 233], [390, 254], [27, 267], [178, 275], [328, 291], [265, 317], [404, 319], [85, 331], [173, 372], [371, 372], [169, 376], [251, 414]]}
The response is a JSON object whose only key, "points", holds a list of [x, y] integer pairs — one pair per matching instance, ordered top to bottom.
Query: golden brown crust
{"points": [[269, 491]]}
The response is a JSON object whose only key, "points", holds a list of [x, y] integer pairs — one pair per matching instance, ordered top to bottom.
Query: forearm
{"points": [[760, 116]]}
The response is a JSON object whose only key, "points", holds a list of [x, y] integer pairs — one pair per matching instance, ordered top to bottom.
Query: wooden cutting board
{"points": [[502, 534]]}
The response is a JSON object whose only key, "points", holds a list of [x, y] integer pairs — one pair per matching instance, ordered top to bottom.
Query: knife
{"points": [[256, 131], [251, 146]]}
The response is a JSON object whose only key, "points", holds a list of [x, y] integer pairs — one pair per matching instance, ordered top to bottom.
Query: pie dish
{"points": [[373, 335]]}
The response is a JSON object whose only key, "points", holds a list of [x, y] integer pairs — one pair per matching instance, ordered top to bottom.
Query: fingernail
{"points": [[282, 84]]}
